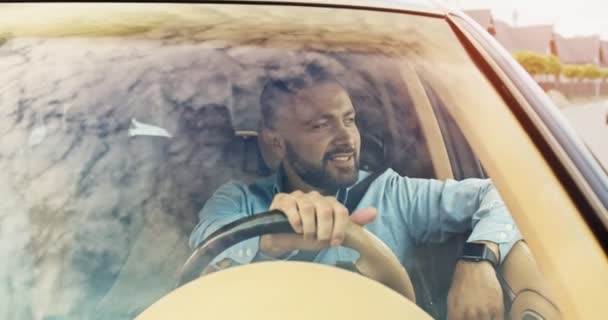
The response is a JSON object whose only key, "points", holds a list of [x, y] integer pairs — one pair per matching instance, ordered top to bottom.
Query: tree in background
{"points": [[534, 63], [538, 64], [552, 65], [573, 71], [590, 71], [604, 74]]}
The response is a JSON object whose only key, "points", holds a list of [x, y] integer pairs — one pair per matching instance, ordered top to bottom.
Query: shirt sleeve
{"points": [[228, 204], [225, 206], [436, 210]]}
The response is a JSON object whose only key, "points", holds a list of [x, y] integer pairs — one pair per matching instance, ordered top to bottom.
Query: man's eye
{"points": [[349, 120], [320, 125]]}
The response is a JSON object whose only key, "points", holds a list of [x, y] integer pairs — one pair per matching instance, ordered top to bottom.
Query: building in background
{"points": [[484, 18], [536, 38], [543, 39], [578, 50], [604, 53], [576, 71]]}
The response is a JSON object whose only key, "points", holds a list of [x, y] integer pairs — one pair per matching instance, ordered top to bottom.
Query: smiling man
{"points": [[309, 123]]}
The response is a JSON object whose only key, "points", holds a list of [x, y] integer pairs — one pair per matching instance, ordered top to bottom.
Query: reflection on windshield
{"points": [[142, 129], [110, 147], [118, 161], [106, 169]]}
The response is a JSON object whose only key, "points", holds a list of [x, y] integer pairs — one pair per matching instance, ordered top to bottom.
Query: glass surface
{"points": [[119, 122]]}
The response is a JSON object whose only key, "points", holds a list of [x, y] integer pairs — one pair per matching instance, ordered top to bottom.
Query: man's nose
{"points": [[345, 136]]}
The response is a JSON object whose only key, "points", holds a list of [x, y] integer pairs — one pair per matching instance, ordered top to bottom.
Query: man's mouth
{"points": [[342, 159]]}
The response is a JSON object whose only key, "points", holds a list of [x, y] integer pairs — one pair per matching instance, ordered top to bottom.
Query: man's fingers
{"points": [[287, 204], [306, 209], [364, 216], [318, 217], [325, 218], [341, 220], [475, 293], [455, 310], [454, 314], [474, 314]]}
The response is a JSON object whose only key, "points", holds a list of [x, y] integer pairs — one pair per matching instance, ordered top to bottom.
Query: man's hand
{"points": [[321, 220], [475, 292]]}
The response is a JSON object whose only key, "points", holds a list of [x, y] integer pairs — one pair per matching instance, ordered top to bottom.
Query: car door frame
{"points": [[558, 206]]}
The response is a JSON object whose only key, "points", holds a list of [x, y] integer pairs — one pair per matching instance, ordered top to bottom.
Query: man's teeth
{"points": [[342, 158]]}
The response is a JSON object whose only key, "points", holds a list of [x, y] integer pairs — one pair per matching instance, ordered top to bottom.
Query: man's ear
{"points": [[274, 141], [272, 146]]}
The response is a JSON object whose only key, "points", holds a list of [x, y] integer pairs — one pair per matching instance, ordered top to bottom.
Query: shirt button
{"points": [[509, 227], [502, 236], [249, 252], [241, 253]]}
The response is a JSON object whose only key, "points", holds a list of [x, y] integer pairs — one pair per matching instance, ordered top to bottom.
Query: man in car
{"points": [[309, 123]]}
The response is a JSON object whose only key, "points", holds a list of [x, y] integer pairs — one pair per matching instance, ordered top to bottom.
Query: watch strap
{"points": [[477, 252]]}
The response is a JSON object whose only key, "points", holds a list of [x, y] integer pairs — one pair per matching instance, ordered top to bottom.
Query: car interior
{"points": [[383, 106], [386, 142]]}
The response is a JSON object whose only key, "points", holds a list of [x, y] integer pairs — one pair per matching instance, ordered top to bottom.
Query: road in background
{"points": [[591, 123]]}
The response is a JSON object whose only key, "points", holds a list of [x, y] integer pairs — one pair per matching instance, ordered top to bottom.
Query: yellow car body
{"points": [[553, 187]]}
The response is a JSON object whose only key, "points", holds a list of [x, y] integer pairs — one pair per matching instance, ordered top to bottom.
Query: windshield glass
{"points": [[119, 123]]}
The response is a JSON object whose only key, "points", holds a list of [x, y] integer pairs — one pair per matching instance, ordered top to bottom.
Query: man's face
{"points": [[321, 138]]}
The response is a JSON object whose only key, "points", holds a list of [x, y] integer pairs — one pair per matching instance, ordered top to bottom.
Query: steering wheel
{"points": [[376, 260]]}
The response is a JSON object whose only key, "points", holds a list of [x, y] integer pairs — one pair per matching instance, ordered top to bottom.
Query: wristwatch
{"points": [[479, 252]]}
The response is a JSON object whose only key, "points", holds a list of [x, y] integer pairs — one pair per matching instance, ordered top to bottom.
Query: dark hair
{"points": [[289, 86]]}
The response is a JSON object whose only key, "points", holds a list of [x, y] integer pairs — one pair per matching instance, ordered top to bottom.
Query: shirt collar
{"points": [[279, 180]]}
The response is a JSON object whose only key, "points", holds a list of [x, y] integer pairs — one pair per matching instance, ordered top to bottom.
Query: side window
{"points": [[388, 123], [462, 159]]}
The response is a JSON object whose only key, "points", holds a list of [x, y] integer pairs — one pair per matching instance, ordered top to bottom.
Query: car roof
{"points": [[422, 6]]}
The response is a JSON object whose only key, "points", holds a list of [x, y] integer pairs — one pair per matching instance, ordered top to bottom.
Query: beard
{"points": [[320, 175]]}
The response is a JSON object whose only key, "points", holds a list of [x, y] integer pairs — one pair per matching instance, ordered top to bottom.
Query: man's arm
{"points": [[226, 205], [435, 210]]}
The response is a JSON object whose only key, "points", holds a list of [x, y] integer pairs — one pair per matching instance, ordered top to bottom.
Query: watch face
{"points": [[473, 250]]}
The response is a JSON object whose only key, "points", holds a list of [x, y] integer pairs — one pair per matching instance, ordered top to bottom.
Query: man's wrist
{"points": [[492, 246], [481, 251], [469, 263]]}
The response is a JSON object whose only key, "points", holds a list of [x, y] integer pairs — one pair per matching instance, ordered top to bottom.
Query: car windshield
{"points": [[118, 123]]}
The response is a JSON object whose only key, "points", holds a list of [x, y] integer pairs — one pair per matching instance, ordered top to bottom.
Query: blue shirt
{"points": [[410, 211]]}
